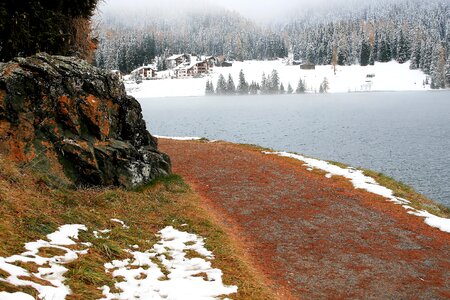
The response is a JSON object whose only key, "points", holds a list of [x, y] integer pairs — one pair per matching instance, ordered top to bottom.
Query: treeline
{"points": [[56, 27], [418, 31], [217, 32], [269, 85]]}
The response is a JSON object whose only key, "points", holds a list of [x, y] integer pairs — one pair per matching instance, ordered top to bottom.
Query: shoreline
{"points": [[137, 96], [392, 189]]}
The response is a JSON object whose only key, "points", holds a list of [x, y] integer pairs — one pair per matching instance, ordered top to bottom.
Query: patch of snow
{"points": [[390, 76], [179, 138], [361, 181], [121, 223], [99, 234], [53, 274], [144, 279], [15, 296]]}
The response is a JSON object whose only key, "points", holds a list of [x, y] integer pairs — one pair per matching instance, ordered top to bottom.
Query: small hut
{"points": [[308, 66]]}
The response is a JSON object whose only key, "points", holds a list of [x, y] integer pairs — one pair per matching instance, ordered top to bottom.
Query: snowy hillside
{"points": [[390, 76]]}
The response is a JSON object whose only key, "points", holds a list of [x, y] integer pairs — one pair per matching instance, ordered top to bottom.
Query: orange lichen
{"points": [[9, 69], [2, 97], [66, 109], [97, 113], [4, 128]]}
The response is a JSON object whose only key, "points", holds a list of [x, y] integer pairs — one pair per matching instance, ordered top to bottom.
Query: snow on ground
{"points": [[390, 76], [178, 138], [361, 181], [121, 223], [177, 267], [51, 270], [187, 277]]}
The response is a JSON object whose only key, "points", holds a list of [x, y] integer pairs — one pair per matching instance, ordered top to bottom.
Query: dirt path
{"points": [[314, 236]]}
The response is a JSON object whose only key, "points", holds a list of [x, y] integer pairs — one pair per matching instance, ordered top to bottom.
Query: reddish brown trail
{"points": [[312, 236]]}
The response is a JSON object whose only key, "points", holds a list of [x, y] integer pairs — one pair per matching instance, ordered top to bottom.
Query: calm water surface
{"points": [[404, 135]]}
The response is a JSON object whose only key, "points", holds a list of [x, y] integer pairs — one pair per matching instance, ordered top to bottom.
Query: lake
{"points": [[405, 135]]}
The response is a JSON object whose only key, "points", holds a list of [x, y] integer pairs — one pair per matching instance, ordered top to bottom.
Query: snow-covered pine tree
{"points": [[403, 49], [364, 59], [437, 71], [274, 82], [264, 84], [221, 86], [324, 86], [231, 88], [242, 88], [301, 88], [253, 89], [289, 89], [209, 90], [282, 90]]}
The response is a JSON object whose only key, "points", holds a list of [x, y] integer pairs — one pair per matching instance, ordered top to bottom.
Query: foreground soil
{"points": [[314, 237]]}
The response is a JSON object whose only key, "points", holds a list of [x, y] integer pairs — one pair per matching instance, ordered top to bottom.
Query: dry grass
{"points": [[32, 205]]}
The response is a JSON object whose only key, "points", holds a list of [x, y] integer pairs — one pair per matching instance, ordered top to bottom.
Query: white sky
{"points": [[254, 9]]}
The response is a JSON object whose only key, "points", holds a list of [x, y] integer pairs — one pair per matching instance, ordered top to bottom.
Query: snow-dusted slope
{"points": [[390, 76]]}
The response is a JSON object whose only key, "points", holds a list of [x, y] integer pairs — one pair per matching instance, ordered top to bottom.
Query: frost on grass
{"points": [[361, 181], [177, 267], [51, 269]]}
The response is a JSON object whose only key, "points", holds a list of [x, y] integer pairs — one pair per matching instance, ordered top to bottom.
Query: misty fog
{"points": [[262, 11]]}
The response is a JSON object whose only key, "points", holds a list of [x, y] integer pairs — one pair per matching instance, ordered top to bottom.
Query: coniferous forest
{"points": [[364, 33]]}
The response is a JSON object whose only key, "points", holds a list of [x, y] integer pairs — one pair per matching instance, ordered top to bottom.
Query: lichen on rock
{"points": [[83, 115]]}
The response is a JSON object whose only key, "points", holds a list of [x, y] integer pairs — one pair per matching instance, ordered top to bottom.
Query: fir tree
{"points": [[385, 51], [365, 53], [403, 54], [274, 82], [264, 84], [221, 86], [324, 86], [300, 87], [209, 88], [231, 88], [242, 88], [253, 89], [289, 89], [282, 91]]}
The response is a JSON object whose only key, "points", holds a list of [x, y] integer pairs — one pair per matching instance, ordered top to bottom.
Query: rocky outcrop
{"points": [[63, 107]]}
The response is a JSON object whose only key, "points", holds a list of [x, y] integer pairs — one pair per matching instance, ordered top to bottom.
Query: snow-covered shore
{"points": [[390, 76]]}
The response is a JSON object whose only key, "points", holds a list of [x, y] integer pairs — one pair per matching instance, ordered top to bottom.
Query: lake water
{"points": [[405, 135]]}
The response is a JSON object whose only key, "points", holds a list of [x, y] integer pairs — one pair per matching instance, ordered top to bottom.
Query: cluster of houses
{"points": [[180, 66], [190, 66]]}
